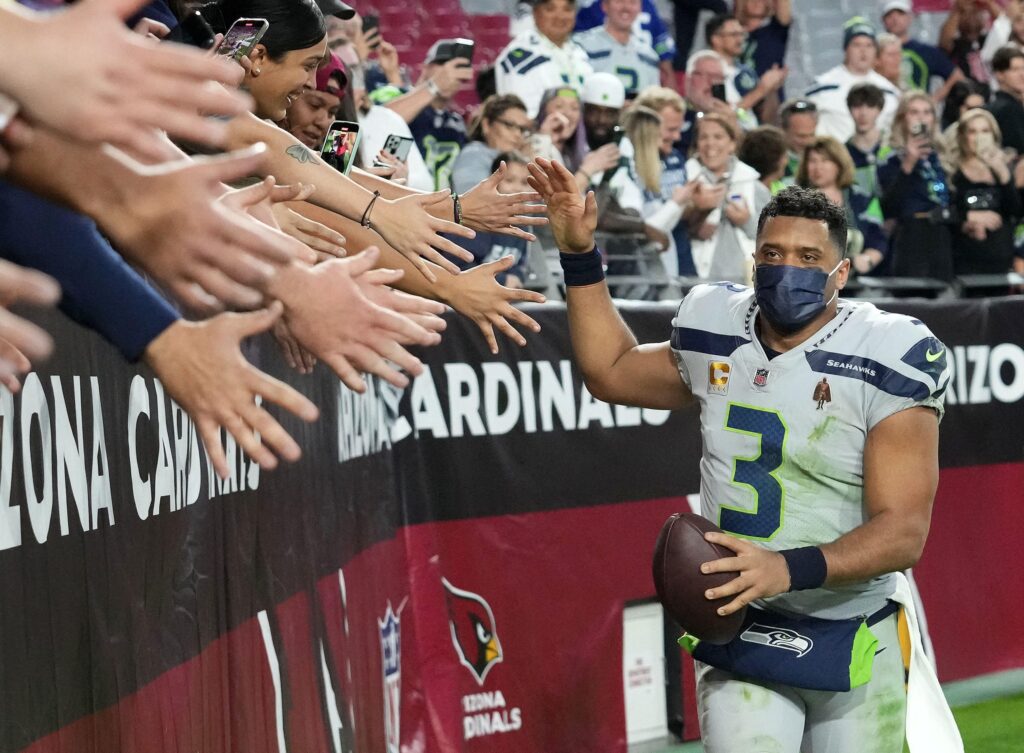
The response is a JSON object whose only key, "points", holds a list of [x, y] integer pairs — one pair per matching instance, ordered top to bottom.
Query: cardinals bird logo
{"points": [[473, 633]]}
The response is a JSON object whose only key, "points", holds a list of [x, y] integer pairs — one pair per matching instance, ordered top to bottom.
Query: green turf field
{"points": [[995, 726]]}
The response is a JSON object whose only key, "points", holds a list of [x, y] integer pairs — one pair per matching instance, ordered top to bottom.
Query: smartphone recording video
{"points": [[242, 37], [718, 92], [340, 145]]}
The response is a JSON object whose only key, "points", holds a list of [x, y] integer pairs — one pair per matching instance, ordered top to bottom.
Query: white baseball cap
{"points": [[891, 5], [604, 89]]}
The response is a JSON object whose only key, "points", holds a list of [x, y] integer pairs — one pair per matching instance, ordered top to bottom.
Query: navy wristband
{"points": [[582, 269], [807, 567]]}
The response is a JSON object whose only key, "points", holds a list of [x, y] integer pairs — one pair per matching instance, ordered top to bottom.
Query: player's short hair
{"points": [[1004, 57], [865, 94], [810, 204]]}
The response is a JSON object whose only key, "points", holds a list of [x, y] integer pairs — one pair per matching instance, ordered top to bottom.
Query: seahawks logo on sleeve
{"points": [[521, 61]]}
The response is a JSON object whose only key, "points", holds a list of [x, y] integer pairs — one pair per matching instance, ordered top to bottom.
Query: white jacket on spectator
{"points": [[532, 63], [829, 92], [729, 253]]}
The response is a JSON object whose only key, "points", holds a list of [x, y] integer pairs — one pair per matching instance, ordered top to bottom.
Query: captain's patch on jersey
{"points": [[718, 377]]}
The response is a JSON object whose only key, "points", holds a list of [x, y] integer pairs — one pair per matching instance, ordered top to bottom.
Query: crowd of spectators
{"points": [[886, 134], [175, 200]]}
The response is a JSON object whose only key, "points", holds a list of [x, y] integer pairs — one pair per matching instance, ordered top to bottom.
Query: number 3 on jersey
{"points": [[757, 473]]}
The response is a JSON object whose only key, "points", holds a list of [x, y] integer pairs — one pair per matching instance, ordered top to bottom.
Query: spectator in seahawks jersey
{"points": [[767, 25], [648, 26], [615, 47], [921, 61], [744, 89], [865, 102], [439, 130]]}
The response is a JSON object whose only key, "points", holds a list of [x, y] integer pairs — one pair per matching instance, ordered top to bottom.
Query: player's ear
{"points": [[843, 273]]}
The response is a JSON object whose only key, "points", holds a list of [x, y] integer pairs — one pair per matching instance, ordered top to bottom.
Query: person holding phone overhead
{"points": [[438, 128]]}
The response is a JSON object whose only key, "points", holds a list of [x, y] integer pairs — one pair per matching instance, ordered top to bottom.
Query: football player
{"points": [[823, 501]]}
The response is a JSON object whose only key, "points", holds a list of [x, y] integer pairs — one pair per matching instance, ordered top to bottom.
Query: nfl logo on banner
{"points": [[761, 378], [391, 661]]}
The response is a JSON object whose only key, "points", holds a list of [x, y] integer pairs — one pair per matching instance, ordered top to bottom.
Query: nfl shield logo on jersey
{"points": [[718, 377], [761, 378], [391, 661]]}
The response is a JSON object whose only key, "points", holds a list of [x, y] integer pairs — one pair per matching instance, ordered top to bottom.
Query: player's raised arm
{"points": [[615, 368]]}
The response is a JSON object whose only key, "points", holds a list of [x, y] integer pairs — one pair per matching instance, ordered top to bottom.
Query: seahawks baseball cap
{"points": [[337, 8], [857, 26], [604, 89]]}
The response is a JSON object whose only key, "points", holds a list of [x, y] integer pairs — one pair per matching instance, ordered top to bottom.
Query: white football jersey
{"points": [[635, 63], [532, 64], [829, 92], [783, 460]]}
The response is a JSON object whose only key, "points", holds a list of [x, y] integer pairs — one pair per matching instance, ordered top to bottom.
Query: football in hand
{"points": [[678, 554]]}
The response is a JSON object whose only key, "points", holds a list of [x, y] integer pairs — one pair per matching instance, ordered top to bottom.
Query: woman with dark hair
{"points": [[284, 63], [966, 94], [501, 125], [558, 134]]}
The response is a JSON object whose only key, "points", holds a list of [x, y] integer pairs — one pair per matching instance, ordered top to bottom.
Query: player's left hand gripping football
{"points": [[573, 219], [760, 572]]}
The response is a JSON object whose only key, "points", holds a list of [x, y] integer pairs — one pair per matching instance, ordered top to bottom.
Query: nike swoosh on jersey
{"points": [[932, 357]]}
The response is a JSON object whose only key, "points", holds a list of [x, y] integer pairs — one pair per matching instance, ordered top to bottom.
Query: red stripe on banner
{"points": [[970, 576], [554, 584]]}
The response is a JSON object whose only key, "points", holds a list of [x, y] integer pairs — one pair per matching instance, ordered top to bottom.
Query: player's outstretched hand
{"points": [[120, 86], [486, 208], [573, 218], [410, 229], [476, 294], [331, 312], [22, 341], [202, 367], [761, 572]]}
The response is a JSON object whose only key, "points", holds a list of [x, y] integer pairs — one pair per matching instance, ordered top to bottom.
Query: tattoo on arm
{"points": [[301, 154]]}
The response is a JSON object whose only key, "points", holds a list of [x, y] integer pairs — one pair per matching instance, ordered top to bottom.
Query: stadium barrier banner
{"points": [[444, 570]]}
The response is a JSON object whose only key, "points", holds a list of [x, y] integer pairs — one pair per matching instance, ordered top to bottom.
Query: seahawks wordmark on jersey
{"points": [[783, 460]]}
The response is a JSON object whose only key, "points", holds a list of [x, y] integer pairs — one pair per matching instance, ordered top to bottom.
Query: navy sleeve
{"points": [[938, 62], [100, 291]]}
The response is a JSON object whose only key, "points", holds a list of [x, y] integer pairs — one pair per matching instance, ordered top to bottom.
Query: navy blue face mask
{"points": [[791, 297]]}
